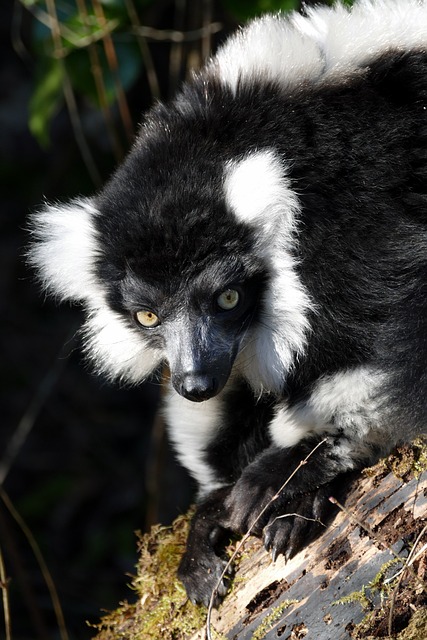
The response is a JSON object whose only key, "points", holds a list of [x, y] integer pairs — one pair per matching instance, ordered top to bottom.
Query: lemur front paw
{"points": [[245, 505], [287, 514], [287, 521], [295, 523], [202, 567], [202, 576]]}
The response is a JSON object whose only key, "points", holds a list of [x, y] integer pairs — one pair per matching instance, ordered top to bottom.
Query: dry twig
{"points": [[71, 100], [248, 533], [377, 539], [41, 562], [408, 562], [4, 586]]}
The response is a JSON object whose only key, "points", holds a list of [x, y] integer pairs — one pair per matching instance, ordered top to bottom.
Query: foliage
{"points": [[87, 44], [93, 51], [88, 54]]}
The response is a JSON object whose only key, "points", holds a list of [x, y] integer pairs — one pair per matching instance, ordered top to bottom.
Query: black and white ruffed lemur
{"points": [[266, 237]]}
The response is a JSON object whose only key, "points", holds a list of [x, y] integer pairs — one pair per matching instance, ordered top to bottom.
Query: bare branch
{"points": [[248, 533]]}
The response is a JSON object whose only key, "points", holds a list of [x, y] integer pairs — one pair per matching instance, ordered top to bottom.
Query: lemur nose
{"points": [[198, 387]]}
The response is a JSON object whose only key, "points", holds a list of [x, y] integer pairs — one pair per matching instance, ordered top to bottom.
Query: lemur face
{"points": [[199, 324]]}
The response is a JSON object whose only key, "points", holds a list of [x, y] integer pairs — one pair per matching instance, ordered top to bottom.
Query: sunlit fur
{"points": [[292, 169]]}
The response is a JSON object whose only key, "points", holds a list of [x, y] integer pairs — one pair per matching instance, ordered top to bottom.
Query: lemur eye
{"points": [[228, 299], [147, 319]]}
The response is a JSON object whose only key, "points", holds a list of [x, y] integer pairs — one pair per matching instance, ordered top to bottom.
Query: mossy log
{"points": [[348, 583]]}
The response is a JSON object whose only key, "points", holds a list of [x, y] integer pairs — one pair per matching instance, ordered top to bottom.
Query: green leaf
{"points": [[45, 99]]}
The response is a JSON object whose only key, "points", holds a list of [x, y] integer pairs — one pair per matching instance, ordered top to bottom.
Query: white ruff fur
{"points": [[324, 45], [258, 192], [67, 250], [66, 257], [117, 350], [346, 401], [192, 426]]}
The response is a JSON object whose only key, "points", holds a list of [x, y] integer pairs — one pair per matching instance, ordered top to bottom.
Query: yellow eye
{"points": [[228, 299], [147, 318]]}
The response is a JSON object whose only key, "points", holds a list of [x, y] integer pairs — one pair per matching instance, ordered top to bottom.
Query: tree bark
{"points": [[363, 578], [337, 582]]}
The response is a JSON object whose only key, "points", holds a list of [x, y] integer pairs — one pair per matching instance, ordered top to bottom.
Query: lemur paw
{"points": [[246, 503], [287, 519], [297, 522], [202, 576]]}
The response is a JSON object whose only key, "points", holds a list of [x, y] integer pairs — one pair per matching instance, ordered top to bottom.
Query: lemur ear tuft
{"points": [[259, 192], [64, 249]]}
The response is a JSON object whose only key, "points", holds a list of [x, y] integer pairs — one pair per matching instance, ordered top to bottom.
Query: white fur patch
{"points": [[349, 38], [328, 42], [269, 49], [259, 193], [65, 250], [117, 350], [272, 350], [346, 401], [192, 426]]}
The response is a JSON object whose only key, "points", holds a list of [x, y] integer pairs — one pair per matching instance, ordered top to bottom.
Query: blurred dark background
{"points": [[83, 463]]}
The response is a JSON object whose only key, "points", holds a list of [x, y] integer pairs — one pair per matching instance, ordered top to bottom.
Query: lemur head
{"points": [[180, 258], [183, 276]]}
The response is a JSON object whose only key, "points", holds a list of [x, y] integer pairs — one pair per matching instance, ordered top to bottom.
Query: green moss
{"points": [[407, 460], [420, 464], [377, 584], [356, 596], [162, 609], [377, 617], [270, 619], [417, 628]]}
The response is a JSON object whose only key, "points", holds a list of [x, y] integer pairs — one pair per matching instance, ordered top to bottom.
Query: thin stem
{"points": [[145, 50], [113, 63], [98, 78], [70, 98], [29, 418], [248, 533], [377, 539], [409, 560], [41, 562], [4, 585]]}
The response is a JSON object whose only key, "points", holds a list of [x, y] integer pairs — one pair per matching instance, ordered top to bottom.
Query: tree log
{"points": [[348, 583]]}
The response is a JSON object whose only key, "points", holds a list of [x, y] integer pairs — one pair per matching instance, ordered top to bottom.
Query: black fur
{"points": [[355, 152], [359, 167]]}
